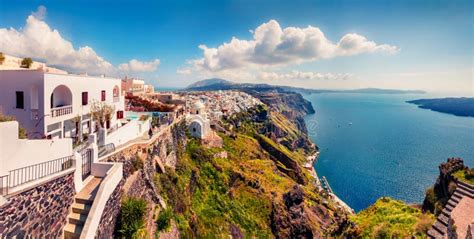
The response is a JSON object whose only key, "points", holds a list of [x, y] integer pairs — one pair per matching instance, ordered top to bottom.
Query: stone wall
{"points": [[166, 148], [40, 212], [109, 215]]}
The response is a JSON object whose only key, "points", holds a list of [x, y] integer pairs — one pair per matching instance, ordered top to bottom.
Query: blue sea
{"points": [[375, 145]]}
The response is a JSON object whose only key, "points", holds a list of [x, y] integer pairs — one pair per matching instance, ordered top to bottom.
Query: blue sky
{"points": [[418, 44]]}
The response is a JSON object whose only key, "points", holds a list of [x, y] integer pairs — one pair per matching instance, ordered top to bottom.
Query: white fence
{"points": [[130, 131]]}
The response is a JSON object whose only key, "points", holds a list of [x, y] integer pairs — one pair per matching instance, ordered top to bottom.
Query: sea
{"points": [[374, 145]]}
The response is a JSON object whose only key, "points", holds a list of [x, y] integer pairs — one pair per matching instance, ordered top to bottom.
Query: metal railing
{"points": [[116, 99], [59, 111], [106, 149], [86, 163], [34, 172], [4, 185]]}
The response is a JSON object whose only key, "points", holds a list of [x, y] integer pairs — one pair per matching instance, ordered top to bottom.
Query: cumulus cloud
{"points": [[40, 13], [38, 41], [273, 46], [140, 66], [184, 71], [299, 75]]}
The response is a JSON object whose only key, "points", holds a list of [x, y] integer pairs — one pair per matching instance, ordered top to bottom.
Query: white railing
{"points": [[116, 99], [60, 111]]}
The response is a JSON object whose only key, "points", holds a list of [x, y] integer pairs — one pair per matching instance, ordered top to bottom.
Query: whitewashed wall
{"points": [[130, 131], [17, 153]]}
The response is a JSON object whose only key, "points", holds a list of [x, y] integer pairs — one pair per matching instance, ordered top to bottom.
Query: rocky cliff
{"points": [[257, 188], [438, 195]]}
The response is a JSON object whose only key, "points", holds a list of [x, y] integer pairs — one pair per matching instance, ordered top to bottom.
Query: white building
{"points": [[136, 86], [47, 105], [199, 125]]}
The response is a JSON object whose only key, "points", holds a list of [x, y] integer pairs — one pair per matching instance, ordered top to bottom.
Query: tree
{"points": [[2, 58], [26, 62], [101, 112], [77, 121]]}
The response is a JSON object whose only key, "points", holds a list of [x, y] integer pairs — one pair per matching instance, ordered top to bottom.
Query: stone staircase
{"points": [[80, 209], [440, 227]]}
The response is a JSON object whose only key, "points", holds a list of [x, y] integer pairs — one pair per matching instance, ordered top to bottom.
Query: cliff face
{"points": [[292, 105], [259, 189], [437, 196]]}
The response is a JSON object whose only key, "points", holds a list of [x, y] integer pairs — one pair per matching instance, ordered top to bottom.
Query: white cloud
{"points": [[40, 13], [38, 41], [273, 46], [140, 66], [184, 71], [299, 75]]}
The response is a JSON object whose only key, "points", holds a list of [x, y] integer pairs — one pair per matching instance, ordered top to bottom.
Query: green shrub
{"points": [[26, 62], [137, 164], [132, 218], [164, 220]]}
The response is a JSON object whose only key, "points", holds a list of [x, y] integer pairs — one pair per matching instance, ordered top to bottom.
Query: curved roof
{"points": [[198, 105]]}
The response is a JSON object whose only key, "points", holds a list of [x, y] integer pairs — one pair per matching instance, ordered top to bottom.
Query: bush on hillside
{"points": [[132, 218], [164, 219]]}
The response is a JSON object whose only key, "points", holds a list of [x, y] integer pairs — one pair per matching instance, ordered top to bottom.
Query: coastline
{"points": [[309, 165]]}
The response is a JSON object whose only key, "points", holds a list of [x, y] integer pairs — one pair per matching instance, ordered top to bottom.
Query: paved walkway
{"points": [[144, 139], [463, 215]]}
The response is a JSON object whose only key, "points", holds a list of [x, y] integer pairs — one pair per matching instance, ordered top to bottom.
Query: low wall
{"points": [[130, 131], [37, 151], [40, 212]]}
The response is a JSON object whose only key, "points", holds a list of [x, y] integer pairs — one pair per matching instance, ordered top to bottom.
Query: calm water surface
{"points": [[392, 148]]}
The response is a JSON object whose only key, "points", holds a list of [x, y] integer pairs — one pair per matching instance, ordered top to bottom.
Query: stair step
{"points": [[471, 187], [467, 188], [464, 192], [455, 198], [84, 201], [452, 203], [449, 207], [81, 208], [446, 212], [76, 218], [443, 219], [438, 226], [72, 231], [432, 233]]}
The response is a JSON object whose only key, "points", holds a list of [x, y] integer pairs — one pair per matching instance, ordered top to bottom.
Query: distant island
{"points": [[221, 84], [462, 106]]}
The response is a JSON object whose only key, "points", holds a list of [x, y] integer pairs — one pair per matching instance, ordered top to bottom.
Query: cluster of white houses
{"points": [[57, 105]]}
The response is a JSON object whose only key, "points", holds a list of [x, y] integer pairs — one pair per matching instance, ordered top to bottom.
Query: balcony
{"points": [[116, 99], [60, 111]]}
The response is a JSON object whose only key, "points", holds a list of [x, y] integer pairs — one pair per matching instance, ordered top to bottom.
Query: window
{"points": [[103, 95], [85, 98], [20, 104], [119, 114]]}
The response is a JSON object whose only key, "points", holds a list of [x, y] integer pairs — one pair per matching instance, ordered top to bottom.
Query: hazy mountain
{"points": [[221, 84]]}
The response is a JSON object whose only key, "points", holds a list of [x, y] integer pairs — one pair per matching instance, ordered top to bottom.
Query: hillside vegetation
{"points": [[251, 193], [389, 218]]}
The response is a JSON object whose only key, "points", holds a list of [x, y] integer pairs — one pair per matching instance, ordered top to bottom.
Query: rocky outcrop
{"points": [[292, 105], [291, 167], [437, 197], [39, 212], [292, 219]]}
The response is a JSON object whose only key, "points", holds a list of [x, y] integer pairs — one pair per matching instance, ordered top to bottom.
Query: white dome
{"points": [[198, 105]]}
